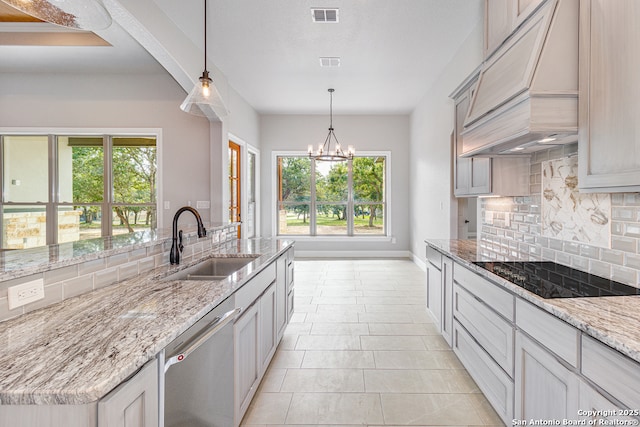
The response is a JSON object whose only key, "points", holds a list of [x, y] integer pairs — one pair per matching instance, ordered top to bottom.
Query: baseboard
{"points": [[354, 254], [419, 262]]}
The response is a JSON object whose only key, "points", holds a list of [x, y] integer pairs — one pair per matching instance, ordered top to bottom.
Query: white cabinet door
{"points": [[498, 23], [609, 120], [434, 294], [281, 295], [447, 300], [267, 314], [247, 368], [495, 384], [545, 388], [133, 403], [594, 406]]}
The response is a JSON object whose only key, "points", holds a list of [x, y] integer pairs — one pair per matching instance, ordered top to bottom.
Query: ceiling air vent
{"points": [[327, 16], [329, 61]]}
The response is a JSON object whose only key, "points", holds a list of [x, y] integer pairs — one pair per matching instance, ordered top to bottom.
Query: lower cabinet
{"points": [[434, 286], [281, 294], [447, 299], [268, 333], [255, 342], [247, 363], [529, 364], [494, 383], [545, 388], [134, 403], [600, 410]]}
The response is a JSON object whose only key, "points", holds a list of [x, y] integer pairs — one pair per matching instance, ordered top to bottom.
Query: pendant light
{"points": [[88, 15], [204, 96], [325, 151]]}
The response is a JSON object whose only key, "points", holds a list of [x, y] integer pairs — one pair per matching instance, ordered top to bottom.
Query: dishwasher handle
{"points": [[195, 342]]}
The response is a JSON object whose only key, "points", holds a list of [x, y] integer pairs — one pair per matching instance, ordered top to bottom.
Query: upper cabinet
{"points": [[523, 8], [501, 18], [498, 24], [527, 91], [609, 136], [471, 176], [480, 176]]}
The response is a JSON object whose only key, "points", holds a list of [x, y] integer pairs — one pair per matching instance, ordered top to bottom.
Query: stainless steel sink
{"points": [[213, 268]]}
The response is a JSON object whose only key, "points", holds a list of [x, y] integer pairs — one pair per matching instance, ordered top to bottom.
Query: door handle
{"points": [[195, 342]]}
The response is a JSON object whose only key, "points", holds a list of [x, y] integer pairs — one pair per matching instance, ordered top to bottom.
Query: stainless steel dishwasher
{"points": [[196, 372]]}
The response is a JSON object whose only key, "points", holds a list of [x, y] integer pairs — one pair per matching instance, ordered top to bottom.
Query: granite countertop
{"points": [[612, 320], [78, 350]]}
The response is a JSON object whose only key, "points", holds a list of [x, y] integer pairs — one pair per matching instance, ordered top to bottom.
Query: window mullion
{"points": [[107, 199], [312, 204], [50, 206], [350, 212]]}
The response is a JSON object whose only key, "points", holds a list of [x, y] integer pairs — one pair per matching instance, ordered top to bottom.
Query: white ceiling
{"points": [[391, 51]]}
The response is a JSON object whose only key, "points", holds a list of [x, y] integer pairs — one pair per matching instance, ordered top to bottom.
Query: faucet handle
{"points": [[180, 245]]}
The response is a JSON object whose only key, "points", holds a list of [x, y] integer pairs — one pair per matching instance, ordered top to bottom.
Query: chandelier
{"points": [[331, 151]]}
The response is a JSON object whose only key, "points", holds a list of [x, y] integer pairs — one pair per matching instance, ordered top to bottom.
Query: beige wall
{"points": [[118, 101], [365, 133], [433, 207]]}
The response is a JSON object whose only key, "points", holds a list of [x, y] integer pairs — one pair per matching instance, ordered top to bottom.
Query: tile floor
{"points": [[361, 349]]}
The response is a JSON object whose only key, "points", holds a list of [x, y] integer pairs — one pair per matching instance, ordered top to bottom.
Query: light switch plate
{"points": [[203, 204], [25, 293]]}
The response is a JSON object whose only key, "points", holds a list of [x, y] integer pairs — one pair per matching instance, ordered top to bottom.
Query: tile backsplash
{"points": [[513, 226], [65, 282]]}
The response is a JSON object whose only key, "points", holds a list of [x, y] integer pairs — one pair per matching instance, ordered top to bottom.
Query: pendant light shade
{"points": [[88, 15], [204, 98], [330, 150]]}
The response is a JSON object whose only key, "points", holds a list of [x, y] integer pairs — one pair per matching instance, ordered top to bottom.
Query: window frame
{"points": [[53, 204], [387, 237]]}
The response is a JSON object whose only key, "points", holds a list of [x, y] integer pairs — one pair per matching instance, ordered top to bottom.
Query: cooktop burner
{"points": [[551, 280]]}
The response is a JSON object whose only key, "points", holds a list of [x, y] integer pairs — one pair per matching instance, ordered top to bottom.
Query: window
{"points": [[64, 188], [318, 198]]}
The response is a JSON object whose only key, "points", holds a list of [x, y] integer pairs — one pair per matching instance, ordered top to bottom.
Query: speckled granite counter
{"points": [[614, 321], [78, 350]]}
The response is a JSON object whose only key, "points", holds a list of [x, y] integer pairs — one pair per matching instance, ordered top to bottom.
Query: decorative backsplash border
{"points": [[513, 226]]}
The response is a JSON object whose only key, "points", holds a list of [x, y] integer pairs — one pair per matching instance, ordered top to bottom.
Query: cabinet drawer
{"points": [[434, 257], [290, 273], [250, 291], [498, 299], [290, 304], [491, 331], [553, 333], [613, 372], [497, 387], [595, 406]]}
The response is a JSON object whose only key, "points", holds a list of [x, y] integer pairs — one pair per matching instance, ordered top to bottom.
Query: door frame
{"points": [[245, 149]]}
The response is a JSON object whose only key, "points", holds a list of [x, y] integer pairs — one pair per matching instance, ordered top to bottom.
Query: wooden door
{"points": [[235, 183]]}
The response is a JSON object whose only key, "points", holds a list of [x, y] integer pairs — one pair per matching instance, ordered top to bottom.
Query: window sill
{"points": [[336, 238]]}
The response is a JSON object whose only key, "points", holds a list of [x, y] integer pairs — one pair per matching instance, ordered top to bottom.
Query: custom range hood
{"points": [[526, 98]]}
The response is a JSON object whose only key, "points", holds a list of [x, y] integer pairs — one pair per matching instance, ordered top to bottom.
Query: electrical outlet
{"points": [[25, 293]]}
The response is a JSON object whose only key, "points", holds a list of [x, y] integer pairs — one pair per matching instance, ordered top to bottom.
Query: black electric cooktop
{"points": [[551, 280]]}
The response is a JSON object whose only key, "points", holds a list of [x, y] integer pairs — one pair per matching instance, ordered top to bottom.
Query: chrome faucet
{"points": [[176, 243]]}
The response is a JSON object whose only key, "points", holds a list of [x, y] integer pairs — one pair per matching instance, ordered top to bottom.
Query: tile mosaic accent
{"points": [[568, 214]]}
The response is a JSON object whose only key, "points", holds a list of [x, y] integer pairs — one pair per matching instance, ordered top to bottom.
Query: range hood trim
{"points": [[533, 106]]}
